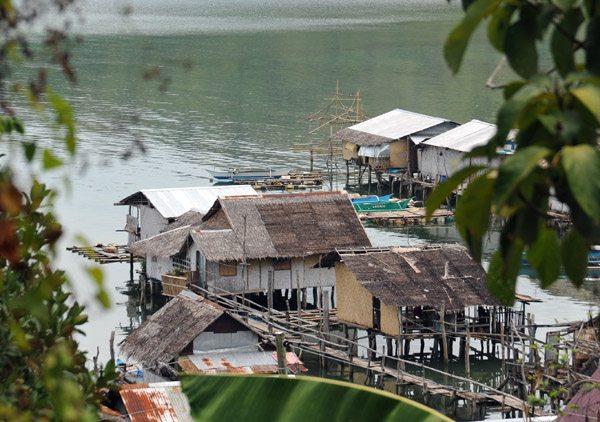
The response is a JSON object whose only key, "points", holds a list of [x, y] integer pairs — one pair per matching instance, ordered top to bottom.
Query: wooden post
{"points": [[131, 267], [298, 294], [270, 298], [326, 317], [400, 338], [444, 339], [502, 341], [112, 346], [467, 350], [281, 355]]}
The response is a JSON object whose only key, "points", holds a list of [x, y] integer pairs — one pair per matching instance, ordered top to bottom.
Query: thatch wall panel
{"points": [[398, 154], [172, 285], [355, 303], [389, 319]]}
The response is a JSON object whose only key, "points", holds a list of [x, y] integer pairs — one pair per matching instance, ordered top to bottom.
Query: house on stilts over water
{"points": [[253, 244], [406, 293], [191, 334]]}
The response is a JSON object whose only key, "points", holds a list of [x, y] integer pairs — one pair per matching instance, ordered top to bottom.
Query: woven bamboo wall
{"points": [[398, 154], [172, 286], [355, 303], [389, 319]]}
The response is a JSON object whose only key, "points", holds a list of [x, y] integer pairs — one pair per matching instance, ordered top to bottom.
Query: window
{"points": [[282, 264], [228, 269]]}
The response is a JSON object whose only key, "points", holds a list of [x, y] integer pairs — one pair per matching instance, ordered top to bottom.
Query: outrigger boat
{"points": [[248, 173], [370, 199], [390, 205]]}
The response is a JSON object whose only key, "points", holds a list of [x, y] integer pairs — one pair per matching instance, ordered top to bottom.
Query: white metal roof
{"points": [[397, 123], [464, 137], [177, 201]]}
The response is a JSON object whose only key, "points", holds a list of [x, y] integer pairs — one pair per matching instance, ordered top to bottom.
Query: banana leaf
{"points": [[271, 398]]}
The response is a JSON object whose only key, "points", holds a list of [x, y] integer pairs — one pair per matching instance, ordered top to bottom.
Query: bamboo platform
{"points": [[298, 180], [405, 217], [104, 254]]}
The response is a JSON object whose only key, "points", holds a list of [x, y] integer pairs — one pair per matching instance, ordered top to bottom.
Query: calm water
{"points": [[233, 82]]}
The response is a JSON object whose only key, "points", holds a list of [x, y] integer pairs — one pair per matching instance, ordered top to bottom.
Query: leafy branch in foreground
{"points": [[556, 117]]}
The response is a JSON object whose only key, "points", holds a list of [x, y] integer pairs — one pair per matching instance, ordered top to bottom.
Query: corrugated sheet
{"points": [[397, 124], [464, 137], [175, 202], [246, 360], [161, 402]]}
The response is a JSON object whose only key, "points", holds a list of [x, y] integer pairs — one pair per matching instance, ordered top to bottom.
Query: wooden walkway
{"points": [[299, 180], [104, 254], [306, 330], [506, 401]]}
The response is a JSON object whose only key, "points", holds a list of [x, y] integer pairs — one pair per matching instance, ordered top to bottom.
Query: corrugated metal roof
{"points": [[397, 124], [464, 137], [175, 202], [246, 360], [160, 402]]}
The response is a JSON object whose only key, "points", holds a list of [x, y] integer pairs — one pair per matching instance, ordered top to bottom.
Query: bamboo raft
{"points": [[298, 180], [406, 217], [104, 254]]}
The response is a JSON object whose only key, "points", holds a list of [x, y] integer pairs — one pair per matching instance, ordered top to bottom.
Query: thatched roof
{"points": [[190, 218], [279, 226], [164, 245], [421, 276], [166, 333]]}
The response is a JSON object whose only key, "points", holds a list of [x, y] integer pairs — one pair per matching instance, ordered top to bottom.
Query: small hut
{"points": [[389, 141], [442, 155], [151, 210], [274, 241], [377, 288], [193, 334]]}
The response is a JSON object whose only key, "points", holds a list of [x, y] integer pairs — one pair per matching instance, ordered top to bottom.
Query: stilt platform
{"points": [[299, 180], [406, 217], [104, 254]]}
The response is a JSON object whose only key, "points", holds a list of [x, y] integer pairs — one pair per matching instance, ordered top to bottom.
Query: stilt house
{"points": [[390, 141], [442, 155], [151, 210], [249, 244], [381, 287], [194, 335]]}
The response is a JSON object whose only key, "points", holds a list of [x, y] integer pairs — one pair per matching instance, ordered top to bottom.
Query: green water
{"points": [[233, 82]]}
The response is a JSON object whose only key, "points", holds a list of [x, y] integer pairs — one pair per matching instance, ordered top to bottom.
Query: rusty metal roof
{"points": [[247, 360], [160, 402]]}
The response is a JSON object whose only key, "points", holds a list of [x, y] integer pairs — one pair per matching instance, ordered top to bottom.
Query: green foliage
{"points": [[555, 114], [42, 372], [266, 398]]}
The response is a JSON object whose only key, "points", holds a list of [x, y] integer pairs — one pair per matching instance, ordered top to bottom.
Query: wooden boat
{"points": [[247, 173], [369, 199], [382, 206]]}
